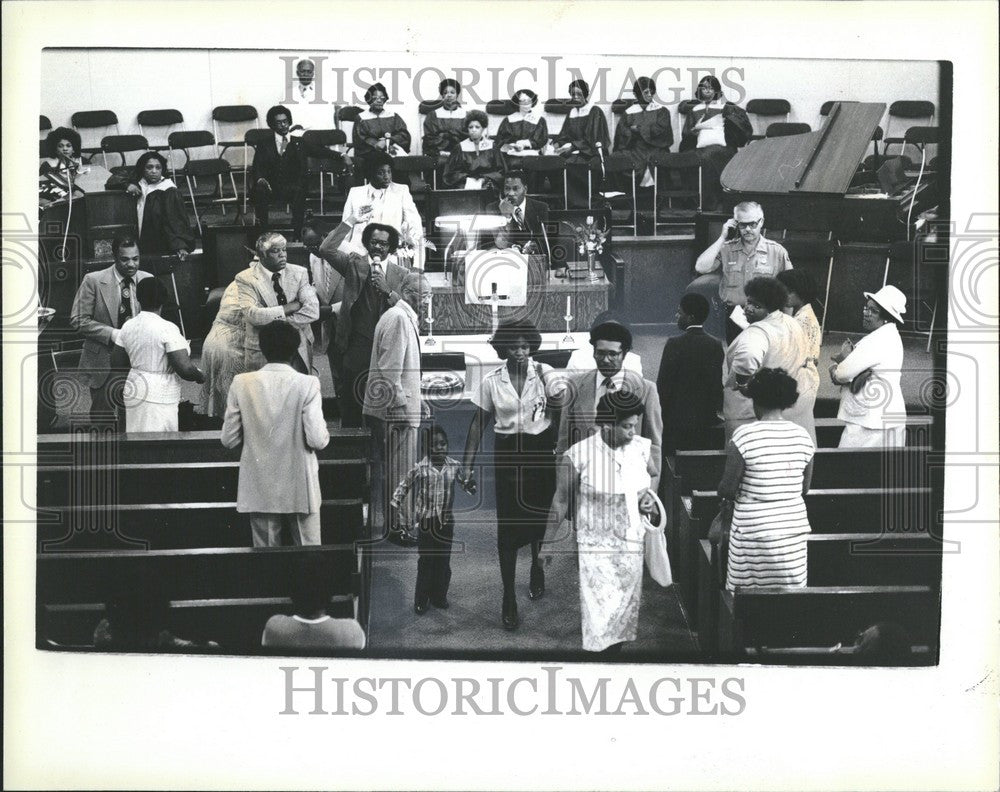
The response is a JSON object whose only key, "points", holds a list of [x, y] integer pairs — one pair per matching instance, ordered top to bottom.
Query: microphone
{"points": [[600, 154]]}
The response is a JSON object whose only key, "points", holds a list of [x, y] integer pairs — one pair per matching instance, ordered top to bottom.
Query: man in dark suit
{"points": [[275, 174], [526, 217], [372, 283], [104, 302], [611, 342], [690, 379]]}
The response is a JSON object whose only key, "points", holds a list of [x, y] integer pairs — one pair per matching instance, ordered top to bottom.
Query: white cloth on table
{"points": [[610, 537]]}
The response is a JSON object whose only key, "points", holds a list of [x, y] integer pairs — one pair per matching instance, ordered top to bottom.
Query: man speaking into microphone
{"points": [[372, 282]]}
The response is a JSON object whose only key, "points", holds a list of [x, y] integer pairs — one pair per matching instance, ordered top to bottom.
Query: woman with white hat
{"points": [[871, 400]]}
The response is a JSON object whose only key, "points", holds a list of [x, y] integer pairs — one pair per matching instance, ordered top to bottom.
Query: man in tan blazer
{"points": [[272, 290], [103, 303], [611, 341], [393, 407], [277, 414]]}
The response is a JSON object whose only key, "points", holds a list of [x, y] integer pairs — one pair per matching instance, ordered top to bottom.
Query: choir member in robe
{"points": [[444, 127], [714, 128], [378, 129], [524, 130], [644, 130], [582, 141], [475, 164], [163, 223]]}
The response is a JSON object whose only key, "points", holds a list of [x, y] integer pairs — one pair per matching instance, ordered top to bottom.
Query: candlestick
{"points": [[568, 338]]}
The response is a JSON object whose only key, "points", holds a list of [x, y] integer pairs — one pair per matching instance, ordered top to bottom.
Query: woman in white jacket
{"points": [[871, 396]]}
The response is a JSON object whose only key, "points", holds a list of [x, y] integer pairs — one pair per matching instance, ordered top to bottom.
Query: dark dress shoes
{"points": [[536, 585], [440, 603], [420, 607], [510, 618]]}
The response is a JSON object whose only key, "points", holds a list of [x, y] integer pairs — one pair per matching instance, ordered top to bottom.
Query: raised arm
{"points": [[329, 248], [709, 260]]}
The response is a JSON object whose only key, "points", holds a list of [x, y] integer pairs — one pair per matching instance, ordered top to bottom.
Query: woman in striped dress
{"points": [[768, 469]]}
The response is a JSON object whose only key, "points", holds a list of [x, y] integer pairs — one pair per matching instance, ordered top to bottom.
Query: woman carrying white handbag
{"points": [[608, 477]]}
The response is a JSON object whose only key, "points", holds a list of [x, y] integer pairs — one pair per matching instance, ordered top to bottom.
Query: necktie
{"points": [[284, 143], [518, 218], [278, 291], [125, 306], [609, 385]]}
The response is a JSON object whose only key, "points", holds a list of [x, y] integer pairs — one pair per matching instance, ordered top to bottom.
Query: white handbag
{"points": [[657, 561]]}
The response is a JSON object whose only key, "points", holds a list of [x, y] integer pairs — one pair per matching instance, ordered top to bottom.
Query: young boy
{"points": [[425, 497]]}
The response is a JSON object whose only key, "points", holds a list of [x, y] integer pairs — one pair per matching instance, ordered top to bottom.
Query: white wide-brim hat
{"points": [[891, 299]]}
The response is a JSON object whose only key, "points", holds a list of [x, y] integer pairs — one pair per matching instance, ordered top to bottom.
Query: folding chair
{"points": [[767, 108], [423, 109], [906, 110], [496, 111], [555, 114], [346, 117], [87, 120], [234, 121], [162, 122], [44, 126], [785, 128], [921, 137], [252, 138], [122, 145], [322, 161], [419, 165], [547, 167], [210, 168], [681, 172], [622, 206], [915, 274]]}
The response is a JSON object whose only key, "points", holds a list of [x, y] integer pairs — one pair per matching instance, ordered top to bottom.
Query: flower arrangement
{"points": [[590, 238]]}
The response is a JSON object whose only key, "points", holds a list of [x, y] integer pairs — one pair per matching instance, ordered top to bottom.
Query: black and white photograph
{"points": [[627, 367]]}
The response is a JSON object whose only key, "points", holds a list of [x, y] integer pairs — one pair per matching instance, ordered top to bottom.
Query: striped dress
{"points": [[767, 544]]}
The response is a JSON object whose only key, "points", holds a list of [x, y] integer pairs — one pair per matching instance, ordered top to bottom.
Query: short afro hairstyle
{"points": [[448, 82], [641, 84], [582, 85], [372, 89], [274, 112], [475, 115], [59, 134], [375, 161], [139, 169], [516, 174], [371, 228], [800, 282], [769, 292], [151, 294], [696, 306], [510, 331], [611, 331], [279, 341], [772, 389], [617, 406]]}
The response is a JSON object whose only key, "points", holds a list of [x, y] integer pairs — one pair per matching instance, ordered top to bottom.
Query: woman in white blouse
{"points": [[871, 393], [515, 396], [608, 476]]}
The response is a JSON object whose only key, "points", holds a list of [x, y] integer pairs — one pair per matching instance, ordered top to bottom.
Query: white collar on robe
{"points": [[716, 103], [652, 107], [458, 112], [576, 112], [368, 115], [534, 116], [484, 145], [147, 188]]}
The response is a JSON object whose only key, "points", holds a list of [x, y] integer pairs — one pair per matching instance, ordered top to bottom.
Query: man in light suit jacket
{"points": [[526, 217], [373, 281], [272, 290], [103, 303], [611, 342], [688, 382], [393, 407], [277, 414]]}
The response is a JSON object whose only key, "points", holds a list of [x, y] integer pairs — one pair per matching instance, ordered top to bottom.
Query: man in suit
{"points": [[276, 171], [526, 217], [372, 282], [329, 285], [272, 290], [105, 300], [611, 342], [690, 381], [393, 407], [277, 414]]}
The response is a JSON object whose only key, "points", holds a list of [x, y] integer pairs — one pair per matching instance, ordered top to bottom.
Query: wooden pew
{"points": [[89, 446], [65, 485], [905, 510], [175, 526], [834, 560], [223, 595], [823, 616]]}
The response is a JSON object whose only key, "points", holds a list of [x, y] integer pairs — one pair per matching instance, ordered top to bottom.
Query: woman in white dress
{"points": [[608, 476]]}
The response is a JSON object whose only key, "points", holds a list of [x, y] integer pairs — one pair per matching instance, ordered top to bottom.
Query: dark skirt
{"points": [[524, 471]]}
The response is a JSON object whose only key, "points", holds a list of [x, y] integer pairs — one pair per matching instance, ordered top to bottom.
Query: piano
{"points": [[803, 182]]}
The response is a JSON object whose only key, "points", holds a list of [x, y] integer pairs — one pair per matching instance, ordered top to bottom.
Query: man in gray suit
{"points": [[103, 303], [611, 342], [393, 407]]}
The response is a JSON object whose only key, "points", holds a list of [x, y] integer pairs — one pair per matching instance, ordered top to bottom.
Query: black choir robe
{"points": [[583, 131], [443, 132], [643, 132], [466, 162], [165, 228]]}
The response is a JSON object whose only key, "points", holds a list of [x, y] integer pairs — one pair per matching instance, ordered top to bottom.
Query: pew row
{"points": [[829, 430], [833, 560], [221, 595]]}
